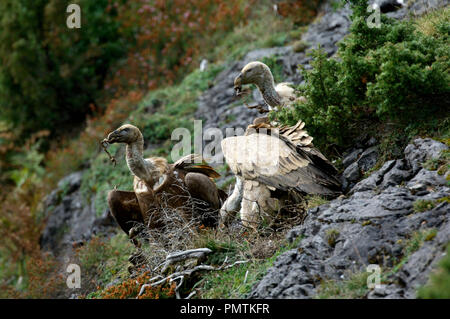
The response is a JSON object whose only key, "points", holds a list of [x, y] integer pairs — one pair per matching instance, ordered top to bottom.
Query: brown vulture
{"points": [[156, 181]]}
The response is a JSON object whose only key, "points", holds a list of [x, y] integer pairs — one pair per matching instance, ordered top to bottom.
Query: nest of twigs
{"points": [[177, 228]]}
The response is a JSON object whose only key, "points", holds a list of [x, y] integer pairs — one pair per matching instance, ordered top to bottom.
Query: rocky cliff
{"points": [[370, 225]]}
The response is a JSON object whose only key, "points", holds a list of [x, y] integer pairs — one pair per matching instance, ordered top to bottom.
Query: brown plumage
{"points": [[274, 164], [158, 183]]}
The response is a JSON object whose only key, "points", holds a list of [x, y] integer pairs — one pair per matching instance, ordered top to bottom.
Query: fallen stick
{"points": [[183, 255], [180, 275]]}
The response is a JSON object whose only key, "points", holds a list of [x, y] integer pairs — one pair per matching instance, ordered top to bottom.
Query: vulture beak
{"points": [[238, 84], [112, 138]]}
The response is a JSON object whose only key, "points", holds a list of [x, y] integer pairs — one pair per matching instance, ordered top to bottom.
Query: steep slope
{"points": [[378, 217], [382, 222]]}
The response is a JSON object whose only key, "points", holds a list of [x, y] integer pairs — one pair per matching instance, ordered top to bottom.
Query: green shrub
{"points": [[394, 73], [49, 74], [173, 106], [422, 205], [332, 236], [105, 259], [237, 282], [355, 286], [438, 286]]}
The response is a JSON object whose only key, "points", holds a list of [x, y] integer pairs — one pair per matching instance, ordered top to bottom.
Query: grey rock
{"points": [[389, 5], [328, 30], [372, 142], [421, 150], [352, 157], [368, 158], [352, 172], [398, 173], [427, 178], [374, 179], [71, 182], [71, 218], [370, 224], [416, 271], [385, 292]]}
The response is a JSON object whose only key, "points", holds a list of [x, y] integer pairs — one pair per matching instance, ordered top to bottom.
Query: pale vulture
{"points": [[258, 73], [272, 164], [155, 180]]}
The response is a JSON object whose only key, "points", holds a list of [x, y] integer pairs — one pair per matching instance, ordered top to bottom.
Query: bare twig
{"points": [[259, 107], [104, 143], [183, 255], [180, 275]]}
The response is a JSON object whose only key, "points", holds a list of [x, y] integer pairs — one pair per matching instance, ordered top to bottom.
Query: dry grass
{"points": [[427, 24], [192, 226]]}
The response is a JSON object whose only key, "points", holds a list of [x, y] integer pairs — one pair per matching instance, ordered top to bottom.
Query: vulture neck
{"points": [[267, 88], [144, 170]]}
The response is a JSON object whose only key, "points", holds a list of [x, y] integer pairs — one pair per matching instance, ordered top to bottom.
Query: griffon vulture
{"points": [[258, 73], [273, 164], [155, 178]]}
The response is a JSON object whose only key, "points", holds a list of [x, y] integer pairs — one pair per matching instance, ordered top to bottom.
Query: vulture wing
{"points": [[276, 161], [195, 163]]}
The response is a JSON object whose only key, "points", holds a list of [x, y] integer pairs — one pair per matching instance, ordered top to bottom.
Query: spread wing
{"points": [[277, 162]]}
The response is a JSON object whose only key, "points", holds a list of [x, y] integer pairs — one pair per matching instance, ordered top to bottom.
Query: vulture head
{"points": [[253, 73], [125, 134]]}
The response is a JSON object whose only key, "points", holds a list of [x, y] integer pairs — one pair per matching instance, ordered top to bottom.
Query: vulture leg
{"points": [[202, 187], [233, 203], [125, 209]]}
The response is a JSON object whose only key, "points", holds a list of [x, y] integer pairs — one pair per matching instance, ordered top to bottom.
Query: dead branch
{"points": [[104, 143], [183, 255], [180, 275]]}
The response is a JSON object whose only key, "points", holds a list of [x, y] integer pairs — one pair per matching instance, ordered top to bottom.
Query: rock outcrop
{"points": [[218, 107], [71, 219], [370, 226]]}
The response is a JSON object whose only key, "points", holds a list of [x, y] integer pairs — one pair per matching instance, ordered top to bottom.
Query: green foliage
{"points": [[253, 35], [275, 66], [394, 73], [49, 74], [173, 106], [441, 164], [29, 166], [103, 177], [315, 200], [422, 205], [332, 236], [410, 246], [105, 259], [237, 282], [438, 286], [353, 287]]}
